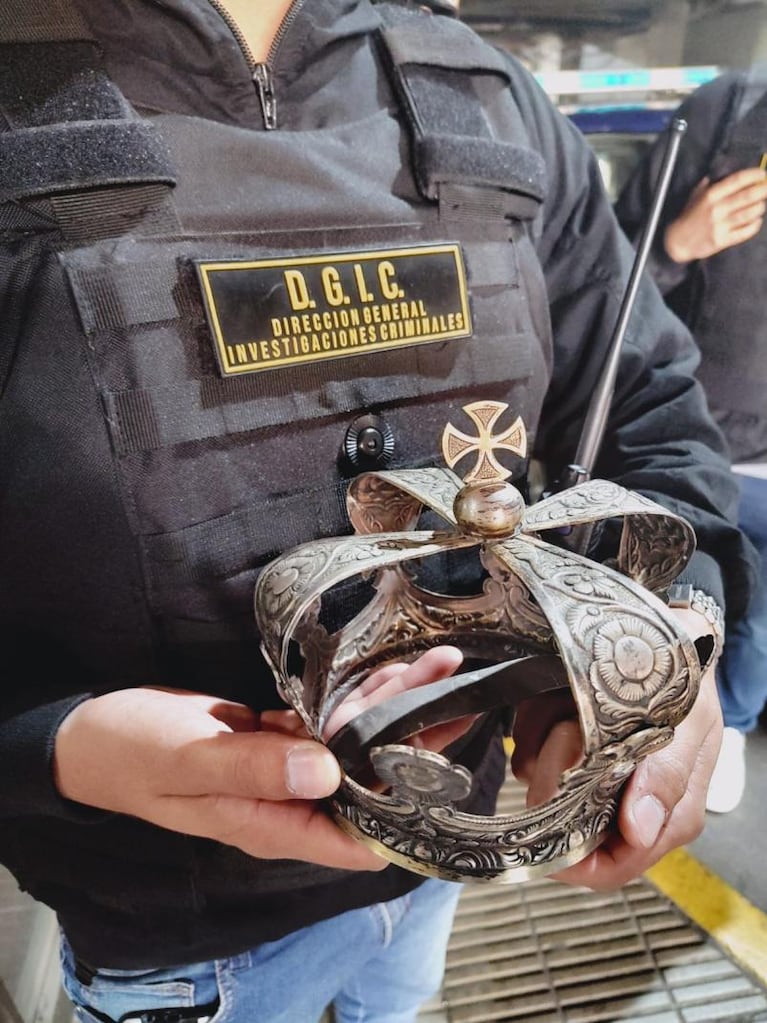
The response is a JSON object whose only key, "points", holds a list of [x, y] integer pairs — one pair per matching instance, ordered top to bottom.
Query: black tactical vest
{"points": [[727, 312], [194, 316]]}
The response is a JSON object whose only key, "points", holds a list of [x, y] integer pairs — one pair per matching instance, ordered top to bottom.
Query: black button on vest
{"points": [[369, 443]]}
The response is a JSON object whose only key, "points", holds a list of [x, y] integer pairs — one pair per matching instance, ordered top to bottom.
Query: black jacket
{"points": [[718, 298], [75, 607]]}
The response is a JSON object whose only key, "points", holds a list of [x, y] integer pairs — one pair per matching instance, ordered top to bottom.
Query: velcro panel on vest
{"points": [[30, 21], [413, 42], [434, 63], [49, 83], [71, 127], [73, 142], [68, 157], [496, 165]]}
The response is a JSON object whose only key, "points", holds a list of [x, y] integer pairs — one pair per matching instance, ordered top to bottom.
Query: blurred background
{"points": [[620, 67]]}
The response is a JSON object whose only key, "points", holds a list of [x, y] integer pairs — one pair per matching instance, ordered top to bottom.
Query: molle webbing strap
{"points": [[37, 21], [437, 65], [71, 147], [106, 212], [122, 297], [207, 408], [215, 549]]}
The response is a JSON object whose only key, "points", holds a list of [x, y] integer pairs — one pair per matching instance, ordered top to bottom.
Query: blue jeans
{"points": [[742, 674], [374, 965]]}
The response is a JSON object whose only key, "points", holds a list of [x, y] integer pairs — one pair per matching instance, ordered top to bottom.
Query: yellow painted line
{"points": [[737, 926]]}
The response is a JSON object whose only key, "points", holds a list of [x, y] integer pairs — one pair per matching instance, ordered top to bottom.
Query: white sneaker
{"points": [[728, 781]]}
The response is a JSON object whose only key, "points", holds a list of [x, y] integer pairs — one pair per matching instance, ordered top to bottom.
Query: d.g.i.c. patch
{"points": [[271, 313]]}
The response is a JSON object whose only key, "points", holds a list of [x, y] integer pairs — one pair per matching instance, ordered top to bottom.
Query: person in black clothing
{"points": [[709, 253], [157, 794]]}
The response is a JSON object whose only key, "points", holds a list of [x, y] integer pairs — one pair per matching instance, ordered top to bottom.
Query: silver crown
{"points": [[546, 619]]}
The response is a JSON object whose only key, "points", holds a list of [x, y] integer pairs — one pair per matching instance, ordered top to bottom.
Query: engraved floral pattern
{"points": [[632, 658], [632, 675]]}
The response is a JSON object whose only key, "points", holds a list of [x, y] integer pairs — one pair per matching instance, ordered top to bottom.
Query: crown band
{"points": [[556, 619]]}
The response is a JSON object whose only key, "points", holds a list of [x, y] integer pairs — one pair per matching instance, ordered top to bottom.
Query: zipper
{"points": [[287, 21], [261, 71], [264, 83]]}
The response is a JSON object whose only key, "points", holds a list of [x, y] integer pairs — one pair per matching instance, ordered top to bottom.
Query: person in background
{"points": [[709, 261], [156, 452]]}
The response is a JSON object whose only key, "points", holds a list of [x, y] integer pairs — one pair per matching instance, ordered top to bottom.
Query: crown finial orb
{"points": [[489, 509]]}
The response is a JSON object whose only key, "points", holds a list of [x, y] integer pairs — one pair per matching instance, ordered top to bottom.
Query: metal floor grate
{"points": [[545, 953]]}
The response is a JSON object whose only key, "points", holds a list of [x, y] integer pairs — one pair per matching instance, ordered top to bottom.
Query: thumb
{"points": [[258, 765], [672, 782], [654, 791]]}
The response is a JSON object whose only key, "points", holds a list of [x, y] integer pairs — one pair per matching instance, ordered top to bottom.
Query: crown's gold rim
{"points": [[507, 875]]}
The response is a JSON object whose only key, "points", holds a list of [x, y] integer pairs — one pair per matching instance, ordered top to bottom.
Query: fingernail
{"points": [[311, 772], [649, 816]]}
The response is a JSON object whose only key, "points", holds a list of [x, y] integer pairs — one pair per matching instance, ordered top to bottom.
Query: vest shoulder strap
{"points": [[38, 21], [458, 102], [74, 153]]}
